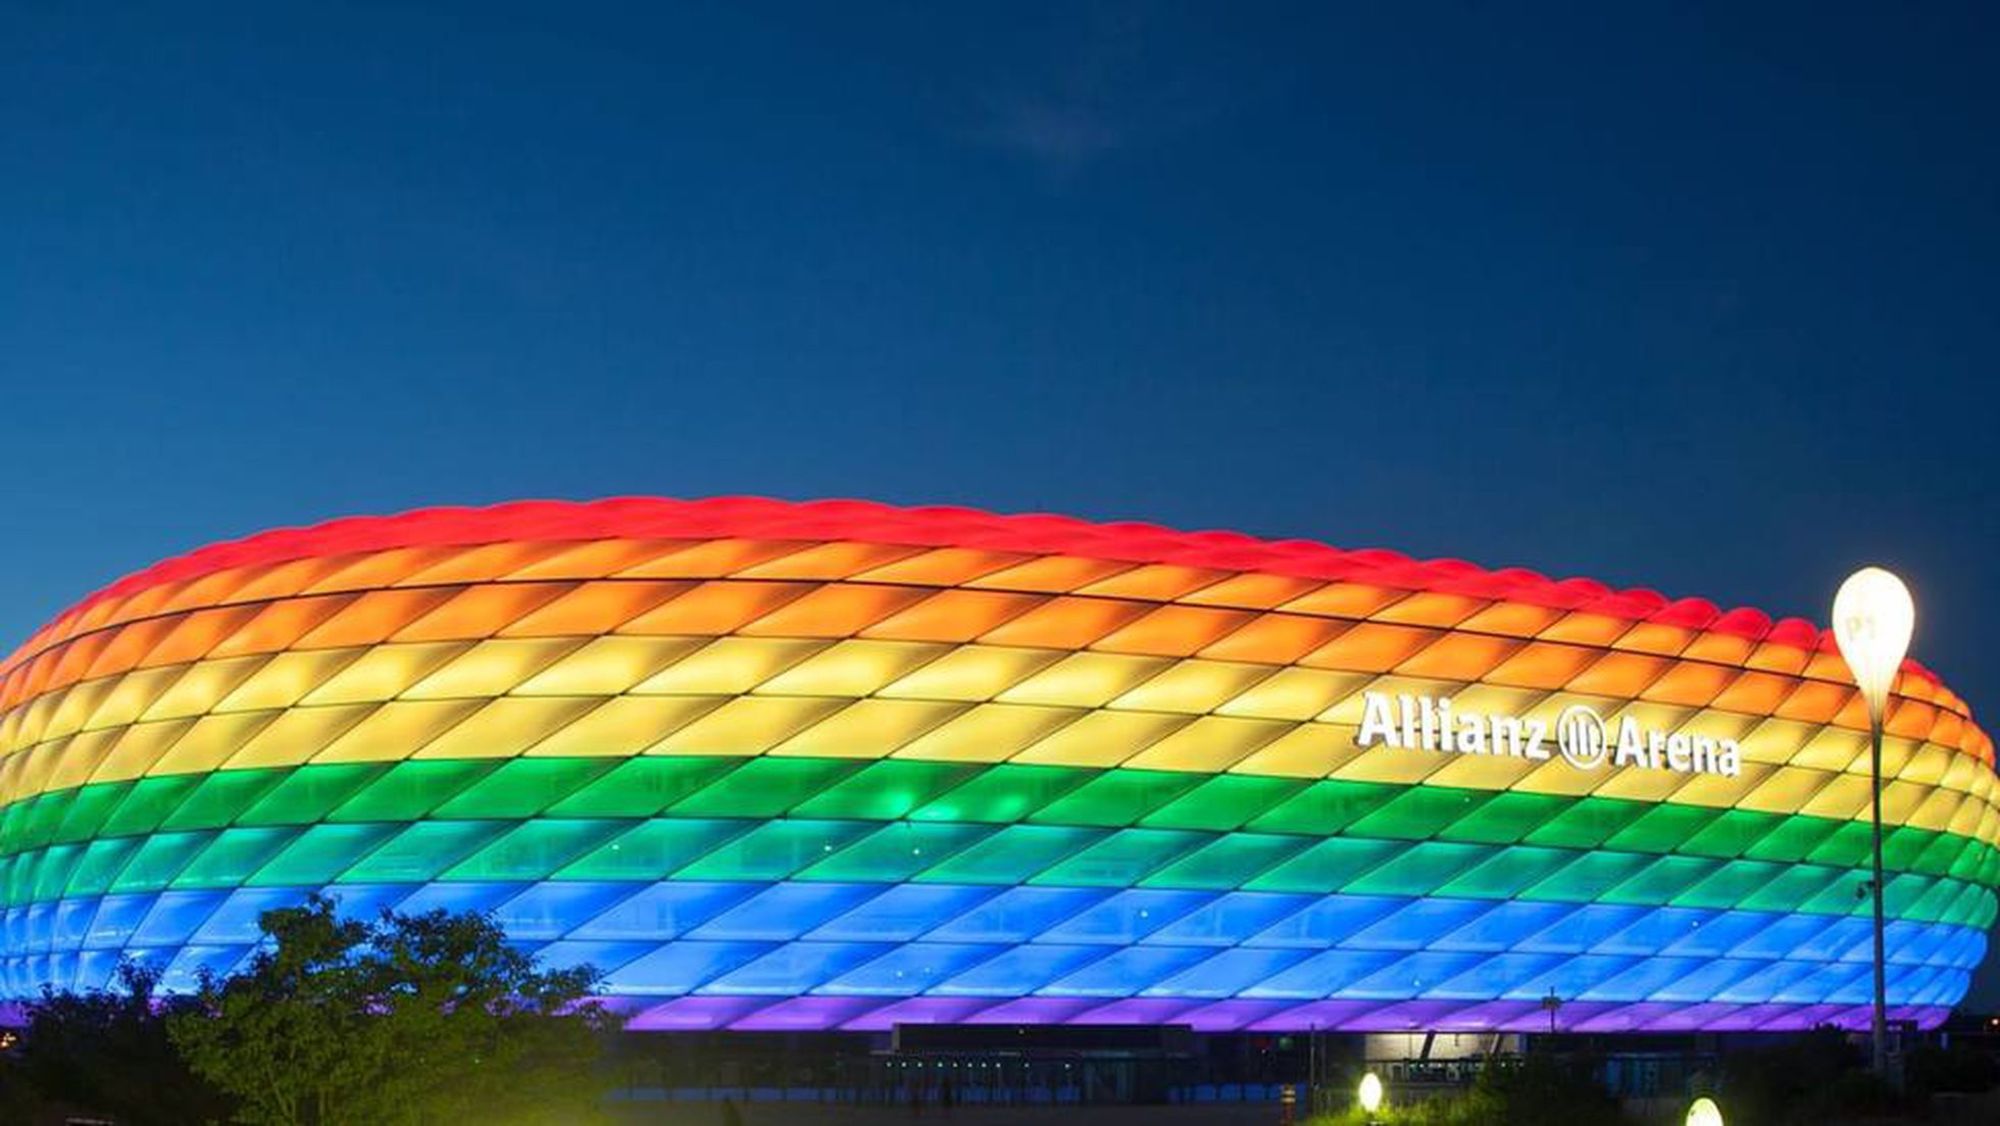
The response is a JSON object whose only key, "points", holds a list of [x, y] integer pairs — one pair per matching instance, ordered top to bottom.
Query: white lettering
{"points": [[1376, 722], [1429, 723], [1538, 730], [1472, 734], [1631, 744], [1677, 752], [1704, 754]]}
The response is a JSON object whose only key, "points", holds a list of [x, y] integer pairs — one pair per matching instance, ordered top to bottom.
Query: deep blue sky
{"points": [[1666, 295]]}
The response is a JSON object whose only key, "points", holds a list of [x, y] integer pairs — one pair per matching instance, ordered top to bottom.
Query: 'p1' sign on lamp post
{"points": [[1872, 621]]}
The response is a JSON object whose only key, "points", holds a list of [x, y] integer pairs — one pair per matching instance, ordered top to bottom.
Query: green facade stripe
{"points": [[521, 787], [639, 787], [765, 787], [410, 789], [838, 789], [888, 790], [1003, 792], [308, 796], [1116, 797], [220, 798], [1223, 802], [147, 803], [1418, 813], [565, 818], [534, 849], [652, 850], [773, 850], [422, 851], [896, 852], [957, 852], [320, 853], [1011, 855], [232, 858], [1121, 858], [1227, 862], [99, 865]]}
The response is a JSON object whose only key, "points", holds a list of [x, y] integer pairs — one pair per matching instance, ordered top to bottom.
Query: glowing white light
{"points": [[1873, 618], [1371, 1093], [1704, 1112]]}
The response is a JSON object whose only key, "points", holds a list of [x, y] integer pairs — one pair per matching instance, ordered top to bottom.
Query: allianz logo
{"points": [[1579, 735]]}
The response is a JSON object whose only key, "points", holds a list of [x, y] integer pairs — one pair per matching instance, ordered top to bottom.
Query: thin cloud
{"points": [[1119, 82], [1058, 135]]}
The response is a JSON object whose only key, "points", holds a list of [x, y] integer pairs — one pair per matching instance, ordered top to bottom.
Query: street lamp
{"points": [[1872, 621], [1370, 1095], [1704, 1112]]}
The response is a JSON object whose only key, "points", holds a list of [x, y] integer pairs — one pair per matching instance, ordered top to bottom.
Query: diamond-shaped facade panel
{"points": [[772, 765]]}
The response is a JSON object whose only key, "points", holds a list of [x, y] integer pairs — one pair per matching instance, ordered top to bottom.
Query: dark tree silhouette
{"points": [[428, 1018], [106, 1051]]}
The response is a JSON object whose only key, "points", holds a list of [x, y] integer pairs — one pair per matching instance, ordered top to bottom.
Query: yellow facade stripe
{"points": [[1787, 764]]}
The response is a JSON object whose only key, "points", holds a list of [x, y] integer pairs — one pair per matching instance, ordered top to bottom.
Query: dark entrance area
{"points": [[947, 1066]]}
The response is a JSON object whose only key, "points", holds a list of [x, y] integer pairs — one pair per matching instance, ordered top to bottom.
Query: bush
{"points": [[1957, 1070], [1803, 1081], [1544, 1088], [1533, 1091], [1474, 1108]]}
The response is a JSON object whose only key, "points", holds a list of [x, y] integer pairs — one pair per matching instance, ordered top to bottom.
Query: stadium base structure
{"points": [[838, 765]]}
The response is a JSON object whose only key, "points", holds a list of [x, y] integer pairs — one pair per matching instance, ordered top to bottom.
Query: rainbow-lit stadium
{"points": [[839, 765]]}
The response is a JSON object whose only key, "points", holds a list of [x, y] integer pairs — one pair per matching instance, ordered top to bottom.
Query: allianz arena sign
{"points": [[1581, 736]]}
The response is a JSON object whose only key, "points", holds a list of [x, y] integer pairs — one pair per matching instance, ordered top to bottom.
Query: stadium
{"points": [[843, 766]]}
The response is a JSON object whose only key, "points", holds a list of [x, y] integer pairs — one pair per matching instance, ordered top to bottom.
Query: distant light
{"points": [[1873, 617], [1371, 1094], [1704, 1112]]}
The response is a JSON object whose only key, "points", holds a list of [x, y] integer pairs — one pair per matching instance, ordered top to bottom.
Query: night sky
{"points": [[1672, 295]]}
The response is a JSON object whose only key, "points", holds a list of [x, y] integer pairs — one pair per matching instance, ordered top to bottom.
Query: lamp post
{"points": [[1872, 621]]}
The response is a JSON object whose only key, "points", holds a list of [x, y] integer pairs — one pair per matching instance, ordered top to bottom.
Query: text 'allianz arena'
{"points": [[840, 765]]}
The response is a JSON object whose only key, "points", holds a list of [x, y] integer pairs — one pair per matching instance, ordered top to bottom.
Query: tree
{"points": [[412, 1019], [106, 1051]]}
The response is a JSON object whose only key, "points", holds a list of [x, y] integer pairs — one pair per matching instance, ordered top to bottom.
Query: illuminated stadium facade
{"points": [[844, 766]]}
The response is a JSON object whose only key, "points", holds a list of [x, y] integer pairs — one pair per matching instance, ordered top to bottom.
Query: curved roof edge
{"points": [[940, 526]]}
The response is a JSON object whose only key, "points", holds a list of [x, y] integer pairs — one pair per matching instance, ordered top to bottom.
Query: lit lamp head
{"points": [[1873, 618], [1371, 1093], [1704, 1112]]}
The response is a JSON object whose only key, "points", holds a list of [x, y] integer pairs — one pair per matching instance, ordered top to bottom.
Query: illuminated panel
{"points": [[772, 765]]}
